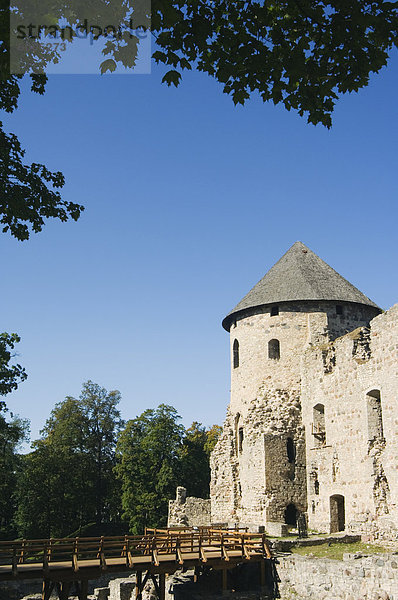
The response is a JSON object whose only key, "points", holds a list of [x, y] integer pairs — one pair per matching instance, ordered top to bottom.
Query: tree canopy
{"points": [[303, 54], [28, 192], [10, 374], [13, 432], [155, 453], [194, 456], [148, 467], [92, 474], [66, 482]]}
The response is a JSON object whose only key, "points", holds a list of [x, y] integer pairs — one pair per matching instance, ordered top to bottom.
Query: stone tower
{"points": [[259, 463]]}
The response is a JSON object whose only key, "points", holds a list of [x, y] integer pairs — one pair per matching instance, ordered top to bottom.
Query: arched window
{"points": [[274, 311], [274, 351], [236, 354], [375, 416], [318, 425], [291, 450]]}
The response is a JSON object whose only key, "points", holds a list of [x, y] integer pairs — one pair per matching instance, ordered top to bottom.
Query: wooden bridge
{"points": [[69, 563]]}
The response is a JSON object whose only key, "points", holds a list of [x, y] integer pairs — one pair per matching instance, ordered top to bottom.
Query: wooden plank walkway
{"points": [[66, 563]]}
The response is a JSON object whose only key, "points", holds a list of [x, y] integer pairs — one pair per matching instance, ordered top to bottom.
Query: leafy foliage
{"points": [[303, 54], [26, 194], [10, 375], [102, 426], [12, 433], [212, 436], [155, 454], [194, 459], [148, 466], [87, 476], [67, 481]]}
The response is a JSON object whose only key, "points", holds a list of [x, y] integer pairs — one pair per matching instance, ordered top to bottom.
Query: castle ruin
{"points": [[312, 425]]}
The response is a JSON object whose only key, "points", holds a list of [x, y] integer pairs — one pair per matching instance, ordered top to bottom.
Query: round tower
{"points": [[258, 466]]}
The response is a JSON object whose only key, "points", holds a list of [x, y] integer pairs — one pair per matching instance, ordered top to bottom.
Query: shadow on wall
{"points": [[243, 579]]}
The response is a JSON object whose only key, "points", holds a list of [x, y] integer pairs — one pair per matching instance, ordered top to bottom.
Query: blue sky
{"points": [[189, 201]]}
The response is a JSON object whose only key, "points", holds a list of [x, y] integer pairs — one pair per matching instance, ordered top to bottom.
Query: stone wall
{"points": [[355, 381], [254, 473], [254, 477], [348, 478], [252, 480], [188, 511], [354, 578], [364, 578]]}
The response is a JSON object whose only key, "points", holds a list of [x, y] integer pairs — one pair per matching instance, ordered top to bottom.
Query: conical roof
{"points": [[299, 275]]}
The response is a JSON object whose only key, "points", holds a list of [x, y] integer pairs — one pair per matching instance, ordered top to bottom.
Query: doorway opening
{"points": [[337, 513], [291, 515]]}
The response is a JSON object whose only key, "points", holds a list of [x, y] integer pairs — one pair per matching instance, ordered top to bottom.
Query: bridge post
{"points": [[262, 574], [196, 575], [225, 582], [138, 585], [162, 586], [47, 589], [63, 589], [82, 589]]}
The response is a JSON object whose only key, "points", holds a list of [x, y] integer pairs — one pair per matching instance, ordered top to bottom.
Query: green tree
{"points": [[301, 53], [28, 192], [10, 374], [103, 424], [12, 433], [213, 435], [195, 451], [148, 466], [195, 468], [67, 481], [55, 487]]}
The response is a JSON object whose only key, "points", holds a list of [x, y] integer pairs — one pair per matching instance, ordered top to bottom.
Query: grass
{"points": [[336, 551]]}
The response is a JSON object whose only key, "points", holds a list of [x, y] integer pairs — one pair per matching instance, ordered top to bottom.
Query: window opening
{"points": [[274, 350], [236, 354], [375, 416], [318, 425], [240, 439], [291, 450]]}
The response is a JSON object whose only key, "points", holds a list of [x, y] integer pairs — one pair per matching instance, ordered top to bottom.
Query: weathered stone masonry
{"points": [[312, 424], [357, 458], [188, 512], [372, 577]]}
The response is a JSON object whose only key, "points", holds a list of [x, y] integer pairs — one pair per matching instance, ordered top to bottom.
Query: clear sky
{"points": [[189, 201]]}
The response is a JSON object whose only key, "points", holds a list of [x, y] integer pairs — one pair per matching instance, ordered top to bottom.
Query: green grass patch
{"points": [[336, 551]]}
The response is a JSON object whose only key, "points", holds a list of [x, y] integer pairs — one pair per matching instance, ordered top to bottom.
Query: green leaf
{"points": [[108, 65], [172, 77]]}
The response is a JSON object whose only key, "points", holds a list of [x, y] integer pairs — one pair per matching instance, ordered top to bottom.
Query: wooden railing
{"points": [[170, 544]]}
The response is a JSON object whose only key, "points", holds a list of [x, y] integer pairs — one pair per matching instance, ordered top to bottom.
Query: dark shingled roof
{"points": [[299, 275]]}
